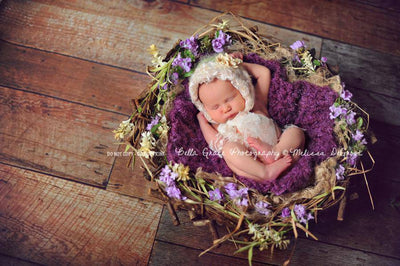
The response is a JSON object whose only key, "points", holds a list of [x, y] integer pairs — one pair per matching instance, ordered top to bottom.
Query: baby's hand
{"points": [[201, 118]]}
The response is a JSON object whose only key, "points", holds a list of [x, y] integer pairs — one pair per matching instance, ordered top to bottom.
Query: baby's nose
{"points": [[227, 108]]}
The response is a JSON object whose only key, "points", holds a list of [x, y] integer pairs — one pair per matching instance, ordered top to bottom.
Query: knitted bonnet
{"points": [[222, 67]]}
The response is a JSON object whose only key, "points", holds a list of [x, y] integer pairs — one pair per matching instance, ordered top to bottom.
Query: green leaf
{"points": [[316, 62], [188, 74], [360, 122], [250, 255]]}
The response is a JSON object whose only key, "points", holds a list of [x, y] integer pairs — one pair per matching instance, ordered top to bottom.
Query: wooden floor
{"points": [[67, 71]]}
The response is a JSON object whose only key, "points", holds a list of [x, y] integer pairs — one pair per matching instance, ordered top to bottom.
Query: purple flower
{"points": [[219, 42], [190, 44], [297, 45], [297, 58], [324, 59], [184, 63], [174, 78], [165, 87], [345, 94], [336, 111], [350, 118], [153, 122], [358, 136], [363, 142], [352, 159], [340, 172], [167, 176], [174, 192], [216, 195], [238, 196], [262, 207], [299, 210], [285, 212], [301, 213]]}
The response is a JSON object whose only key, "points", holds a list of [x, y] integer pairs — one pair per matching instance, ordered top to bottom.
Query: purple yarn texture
{"points": [[301, 103]]}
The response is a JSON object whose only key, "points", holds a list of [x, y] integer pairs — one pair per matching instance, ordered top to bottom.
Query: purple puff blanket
{"points": [[301, 103]]}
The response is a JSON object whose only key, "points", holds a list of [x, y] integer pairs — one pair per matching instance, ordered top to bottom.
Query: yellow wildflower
{"points": [[153, 50], [124, 129], [182, 171]]}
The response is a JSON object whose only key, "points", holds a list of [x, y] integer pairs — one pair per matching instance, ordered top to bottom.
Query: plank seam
{"points": [[282, 27], [71, 56], [65, 100], [52, 175]]}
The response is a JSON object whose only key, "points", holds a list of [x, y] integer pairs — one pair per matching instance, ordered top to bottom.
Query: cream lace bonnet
{"points": [[223, 67]]}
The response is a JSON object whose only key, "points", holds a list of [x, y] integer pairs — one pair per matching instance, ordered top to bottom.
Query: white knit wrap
{"points": [[209, 69]]}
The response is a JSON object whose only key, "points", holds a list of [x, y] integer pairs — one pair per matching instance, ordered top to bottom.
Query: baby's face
{"points": [[221, 100]]}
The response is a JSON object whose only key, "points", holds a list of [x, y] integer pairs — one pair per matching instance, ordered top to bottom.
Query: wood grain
{"points": [[351, 22], [115, 33], [362, 68], [69, 78], [56, 137], [129, 180], [52, 221], [307, 251], [169, 254], [11, 261]]}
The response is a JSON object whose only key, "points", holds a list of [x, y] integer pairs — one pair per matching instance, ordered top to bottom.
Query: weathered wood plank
{"points": [[346, 21], [116, 33], [363, 68], [371, 76], [69, 78], [379, 107], [56, 137], [128, 180], [52, 221], [363, 228], [307, 252], [169, 254], [11, 261]]}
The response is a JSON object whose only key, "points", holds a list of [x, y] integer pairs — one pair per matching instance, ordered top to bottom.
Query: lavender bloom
{"points": [[219, 42], [190, 44], [297, 45], [324, 59], [184, 63], [174, 78], [165, 87], [345, 94], [336, 111], [350, 118], [153, 122], [358, 136], [363, 142], [352, 159], [340, 172], [167, 176], [174, 192], [216, 195], [238, 196], [262, 207], [299, 210], [285, 212], [301, 213]]}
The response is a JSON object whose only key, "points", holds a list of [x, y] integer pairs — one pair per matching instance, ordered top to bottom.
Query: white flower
{"points": [[124, 129], [163, 129], [147, 144]]}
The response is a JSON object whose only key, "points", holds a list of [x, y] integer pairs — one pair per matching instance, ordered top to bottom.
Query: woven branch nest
{"points": [[266, 219]]}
